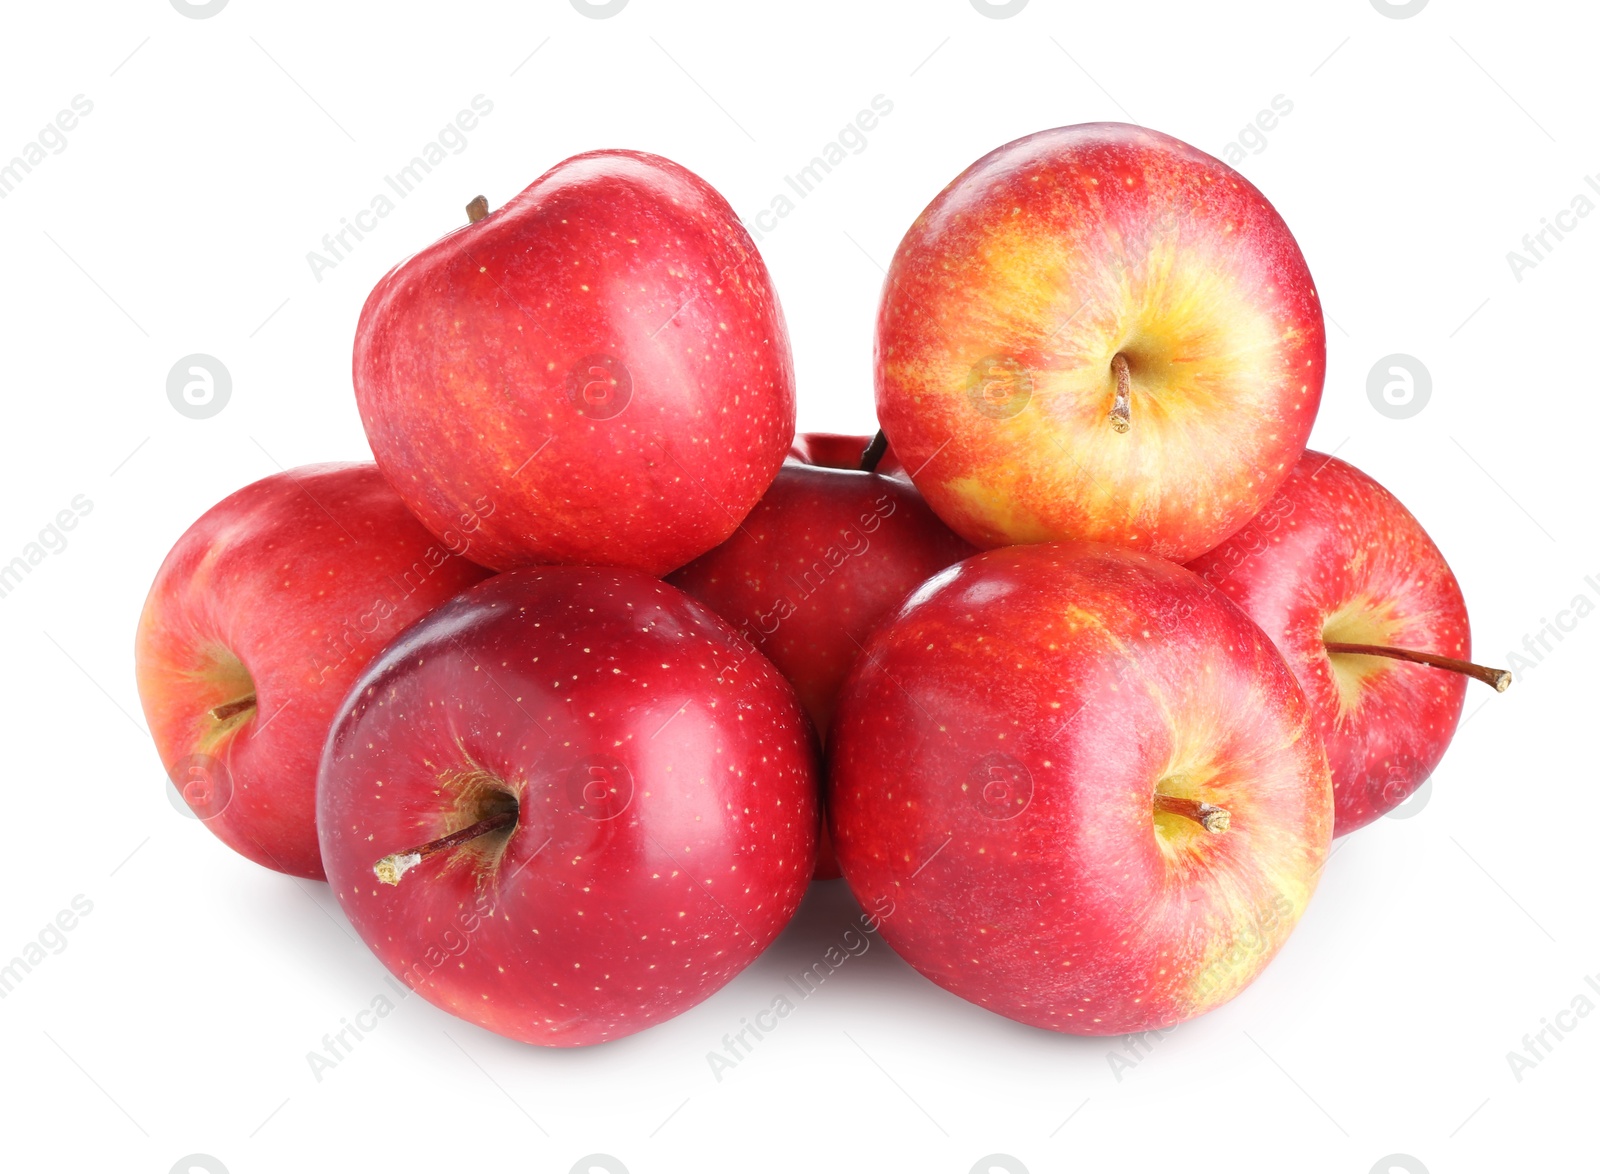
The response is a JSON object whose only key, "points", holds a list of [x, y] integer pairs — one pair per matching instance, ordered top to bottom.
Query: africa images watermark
{"points": [[1253, 136], [52, 140], [451, 140], [851, 140], [1537, 246], [1254, 538], [50, 540], [852, 543], [1542, 641], [339, 645], [52, 939], [1253, 941], [451, 944], [739, 1045], [339, 1046], [1537, 1046]]}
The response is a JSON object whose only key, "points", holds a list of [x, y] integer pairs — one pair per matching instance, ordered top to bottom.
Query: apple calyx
{"points": [[478, 209], [1122, 405], [873, 453], [1499, 678], [222, 713], [1214, 819], [392, 867]]}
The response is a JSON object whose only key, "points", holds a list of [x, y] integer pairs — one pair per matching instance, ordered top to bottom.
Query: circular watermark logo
{"points": [[997, 11], [1396, 11], [199, 12], [599, 12], [199, 386], [599, 386], [999, 386], [1399, 386], [199, 786], [999, 786], [600, 788], [1413, 804], [203, 1163], [604, 1163], [1004, 1163], [1398, 1164]]}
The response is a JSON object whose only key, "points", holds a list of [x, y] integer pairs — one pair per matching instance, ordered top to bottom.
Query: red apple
{"points": [[1099, 332], [598, 372], [830, 450], [838, 450], [1335, 560], [818, 564], [259, 620], [596, 802], [1087, 819]]}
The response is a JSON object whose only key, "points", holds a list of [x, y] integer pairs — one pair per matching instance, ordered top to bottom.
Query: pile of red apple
{"points": [[1100, 656]]}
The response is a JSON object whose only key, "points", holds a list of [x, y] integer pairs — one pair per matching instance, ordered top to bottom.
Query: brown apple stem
{"points": [[477, 210], [1122, 405], [873, 453], [1499, 678], [223, 712], [1208, 815], [391, 868]]}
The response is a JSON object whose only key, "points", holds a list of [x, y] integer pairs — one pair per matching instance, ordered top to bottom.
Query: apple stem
{"points": [[477, 210], [1122, 405], [873, 453], [1499, 678], [223, 712], [1208, 815], [391, 868]]}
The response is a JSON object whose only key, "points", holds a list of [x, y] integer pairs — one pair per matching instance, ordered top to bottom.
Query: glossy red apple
{"points": [[1099, 332], [599, 371], [1334, 561], [818, 564], [259, 620], [592, 801], [1087, 820]]}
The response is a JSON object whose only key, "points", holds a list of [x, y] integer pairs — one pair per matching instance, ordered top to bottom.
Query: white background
{"points": [[179, 1016]]}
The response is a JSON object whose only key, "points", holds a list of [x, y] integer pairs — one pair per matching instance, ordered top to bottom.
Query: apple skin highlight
{"points": [[1011, 296], [598, 372], [1342, 559], [280, 593], [994, 768], [664, 780]]}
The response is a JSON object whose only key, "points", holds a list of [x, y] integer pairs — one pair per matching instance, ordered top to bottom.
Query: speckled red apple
{"points": [[1099, 332], [597, 372], [822, 559], [1335, 560], [258, 622], [625, 790], [1087, 820]]}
